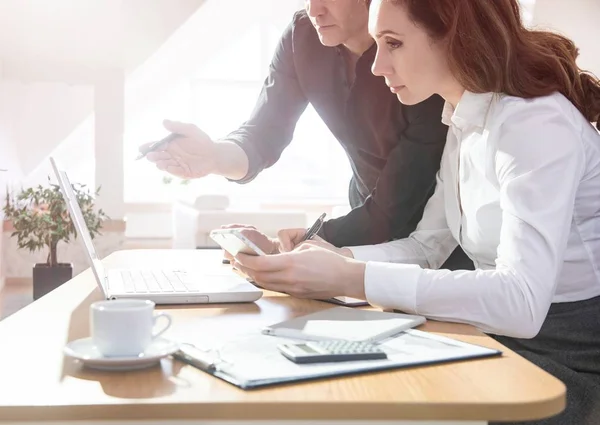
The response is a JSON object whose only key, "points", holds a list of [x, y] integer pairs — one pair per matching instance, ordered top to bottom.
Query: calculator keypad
{"points": [[344, 347], [331, 351]]}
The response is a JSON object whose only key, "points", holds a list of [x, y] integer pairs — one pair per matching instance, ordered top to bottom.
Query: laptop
{"points": [[160, 286]]}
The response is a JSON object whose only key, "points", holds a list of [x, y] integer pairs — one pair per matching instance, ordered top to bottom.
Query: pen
{"points": [[154, 146], [314, 229], [294, 334], [195, 357]]}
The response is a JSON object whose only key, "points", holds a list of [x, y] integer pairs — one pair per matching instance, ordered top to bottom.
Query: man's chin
{"points": [[329, 41]]}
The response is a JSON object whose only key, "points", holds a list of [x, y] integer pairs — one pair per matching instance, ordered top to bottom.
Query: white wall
{"points": [[578, 20], [149, 23], [61, 31], [90, 33], [52, 54], [52, 112], [43, 114], [8, 150], [9, 161]]}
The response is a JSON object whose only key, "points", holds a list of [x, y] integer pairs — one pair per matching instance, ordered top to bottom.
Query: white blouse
{"points": [[519, 190]]}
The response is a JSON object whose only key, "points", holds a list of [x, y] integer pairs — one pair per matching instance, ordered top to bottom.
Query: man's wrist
{"points": [[230, 160]]}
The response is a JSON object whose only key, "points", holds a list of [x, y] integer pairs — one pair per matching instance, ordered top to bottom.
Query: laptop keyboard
{"points": [[152, 281]]}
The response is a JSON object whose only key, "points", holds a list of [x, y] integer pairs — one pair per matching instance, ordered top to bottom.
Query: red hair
{"points": [[489, 50]]}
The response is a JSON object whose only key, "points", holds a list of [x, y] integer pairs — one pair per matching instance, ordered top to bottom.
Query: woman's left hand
{"points": [[307, 272]]}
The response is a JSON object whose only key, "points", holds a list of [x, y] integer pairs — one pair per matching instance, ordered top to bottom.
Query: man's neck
{"points": [[359, 44]]}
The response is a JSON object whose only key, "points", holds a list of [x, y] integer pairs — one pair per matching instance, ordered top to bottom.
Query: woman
{"points": [[518, 189]]}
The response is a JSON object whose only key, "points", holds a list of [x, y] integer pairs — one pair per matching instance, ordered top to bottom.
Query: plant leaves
{"points": [[41, 220]]}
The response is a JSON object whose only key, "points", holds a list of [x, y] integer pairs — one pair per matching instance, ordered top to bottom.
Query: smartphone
{"points": [[234, 241]]}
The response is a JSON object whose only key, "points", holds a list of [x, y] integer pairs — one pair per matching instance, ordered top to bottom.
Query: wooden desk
{"points": [[38, 384]]}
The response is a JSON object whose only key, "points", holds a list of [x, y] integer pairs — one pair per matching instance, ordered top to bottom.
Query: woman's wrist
{"points": [[354, 278]]}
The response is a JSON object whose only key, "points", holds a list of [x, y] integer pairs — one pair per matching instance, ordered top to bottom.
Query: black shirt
{"points": [[394, 150]]}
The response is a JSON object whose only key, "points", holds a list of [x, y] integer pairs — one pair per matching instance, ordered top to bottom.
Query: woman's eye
{"points": [[393, 44]]}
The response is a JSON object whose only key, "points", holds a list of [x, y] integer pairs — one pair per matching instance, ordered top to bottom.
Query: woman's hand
{"points": [[291, 239], [318, 242], [265, 243], [307, 272]]}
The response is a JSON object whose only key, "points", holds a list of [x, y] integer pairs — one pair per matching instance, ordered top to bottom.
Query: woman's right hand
{"points": [[291, 239]]}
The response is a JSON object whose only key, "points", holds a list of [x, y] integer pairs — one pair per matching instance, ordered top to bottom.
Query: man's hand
{"points": [[193, 155]]}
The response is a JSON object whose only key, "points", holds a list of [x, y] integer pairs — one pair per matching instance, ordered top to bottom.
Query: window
{"points": [[527, 8], [218, 94]]}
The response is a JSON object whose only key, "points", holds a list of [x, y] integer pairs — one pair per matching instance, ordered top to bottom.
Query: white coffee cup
{"points": [[124, 328]]}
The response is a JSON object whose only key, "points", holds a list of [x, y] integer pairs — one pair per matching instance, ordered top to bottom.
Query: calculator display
{"points": [[307, 348]]}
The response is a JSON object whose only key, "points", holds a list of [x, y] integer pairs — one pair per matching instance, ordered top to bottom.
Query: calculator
{"points": [[331, 351]]}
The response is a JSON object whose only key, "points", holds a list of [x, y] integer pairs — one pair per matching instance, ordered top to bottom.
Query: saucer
{"points": [[86, 352]]}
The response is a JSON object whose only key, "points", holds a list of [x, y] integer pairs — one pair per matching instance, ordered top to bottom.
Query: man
{"points": [[324, 57]]}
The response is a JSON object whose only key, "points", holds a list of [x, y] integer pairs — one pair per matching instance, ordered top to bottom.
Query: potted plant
{"points": [[41, 221]]}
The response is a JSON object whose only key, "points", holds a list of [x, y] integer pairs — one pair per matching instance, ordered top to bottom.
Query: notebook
{"points": [[345, 323], [253, 361]]}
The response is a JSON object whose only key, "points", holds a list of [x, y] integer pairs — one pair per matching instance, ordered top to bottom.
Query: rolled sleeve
{"points": [[281, 102], [255, 162]]}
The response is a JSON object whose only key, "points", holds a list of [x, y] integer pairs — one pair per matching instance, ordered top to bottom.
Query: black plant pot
{"points": [[46, 278]]}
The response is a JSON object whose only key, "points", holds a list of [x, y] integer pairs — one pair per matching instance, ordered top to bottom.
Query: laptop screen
{"points": [[80, 226]]}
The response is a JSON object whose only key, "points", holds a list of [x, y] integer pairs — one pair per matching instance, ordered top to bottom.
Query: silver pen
{"points": [[154, 146], [314, 229]]}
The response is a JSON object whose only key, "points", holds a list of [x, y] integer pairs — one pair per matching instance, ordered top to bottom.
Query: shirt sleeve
{"points": [[281, 102], [539, 162], [406, 182], [428, 246]]}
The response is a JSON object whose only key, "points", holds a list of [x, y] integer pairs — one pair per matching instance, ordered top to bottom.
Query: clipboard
{"points": [[255, 361]]}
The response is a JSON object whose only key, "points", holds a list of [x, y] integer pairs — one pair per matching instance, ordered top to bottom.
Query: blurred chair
{"points": [[193, 219]]}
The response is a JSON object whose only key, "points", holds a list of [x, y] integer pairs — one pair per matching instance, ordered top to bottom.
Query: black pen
{"points": [[154, 146], [314, 229]]}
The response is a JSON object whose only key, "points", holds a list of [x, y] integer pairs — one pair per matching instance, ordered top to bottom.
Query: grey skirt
{"points": [[568, 347]]}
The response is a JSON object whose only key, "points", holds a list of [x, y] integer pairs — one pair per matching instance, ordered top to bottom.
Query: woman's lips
{"points": [[396, 89]]}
